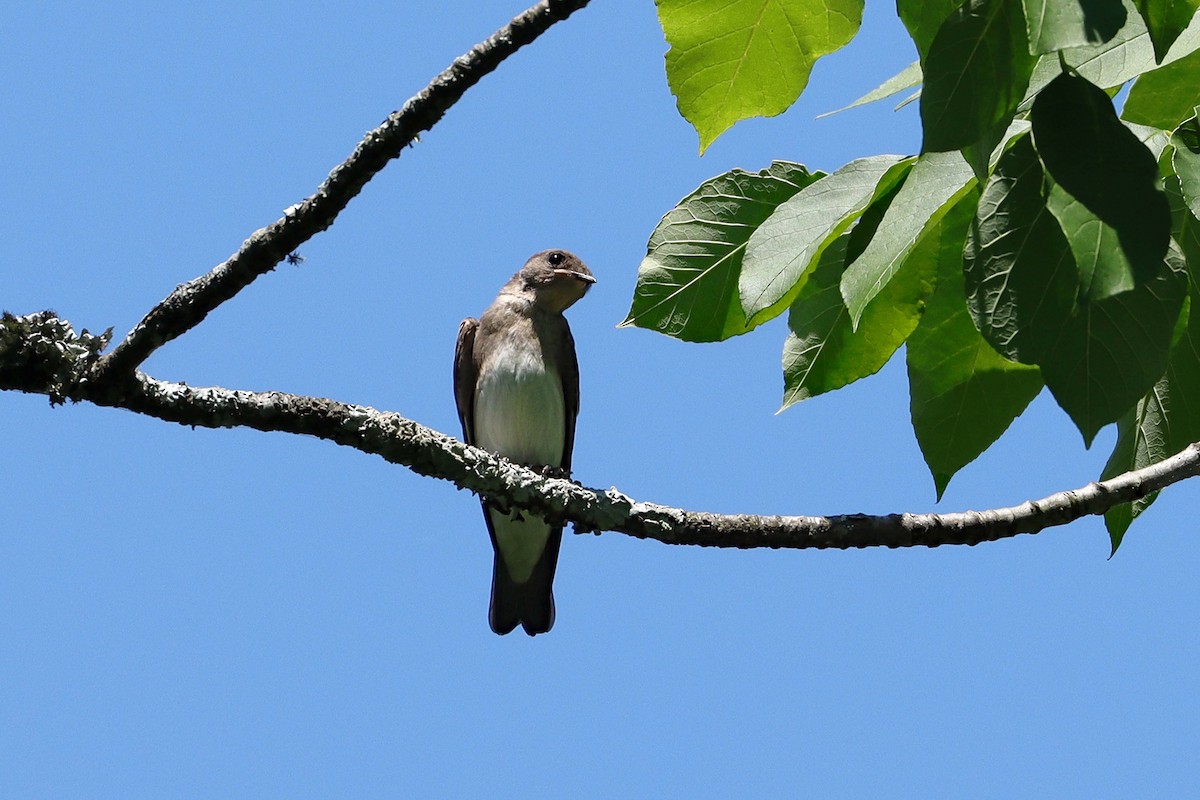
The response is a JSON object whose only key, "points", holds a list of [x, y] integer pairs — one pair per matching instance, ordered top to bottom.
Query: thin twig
{"points": [[191, 302]]}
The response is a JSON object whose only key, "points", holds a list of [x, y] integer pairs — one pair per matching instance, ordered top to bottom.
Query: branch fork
{"points": [[41, 353]]}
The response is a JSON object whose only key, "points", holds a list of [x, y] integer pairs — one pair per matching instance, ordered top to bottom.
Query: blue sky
{"points": [[230, 613]]}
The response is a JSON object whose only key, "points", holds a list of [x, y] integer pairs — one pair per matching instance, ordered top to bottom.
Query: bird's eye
{"points": [[556, 258]]}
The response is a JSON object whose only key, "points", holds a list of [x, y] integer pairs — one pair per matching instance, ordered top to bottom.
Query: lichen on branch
{"points": [[41, 353]]}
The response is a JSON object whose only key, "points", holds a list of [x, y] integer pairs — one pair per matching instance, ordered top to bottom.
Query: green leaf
{"points": [[922, 18], [1166, 20], [1058, 24], [1129, 54], [734, 59], [976, 73], [904, 79], [1166, 96], [910, 99], [1155, 139], [979, 153], [983, 154], [1186, 162], [1103, 165], [936, 182], [1186, 227], [864, 229], [782, 249], [1103, 268], [1019, 274], [687, 283], [824, 352], [1111, 352], [1097, 358], [963, 395], [1167, 418], [1164, 422], [1138, 445]]}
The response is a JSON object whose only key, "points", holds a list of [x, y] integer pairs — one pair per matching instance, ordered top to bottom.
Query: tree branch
{"points": [[191, 302], [42, 354]]}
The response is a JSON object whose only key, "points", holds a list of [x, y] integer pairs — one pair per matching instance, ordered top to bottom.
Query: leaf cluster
{"points": [[1038, 240]]}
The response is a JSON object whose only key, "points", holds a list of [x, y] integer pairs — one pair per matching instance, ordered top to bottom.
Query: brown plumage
{"points": [[516, 384]]}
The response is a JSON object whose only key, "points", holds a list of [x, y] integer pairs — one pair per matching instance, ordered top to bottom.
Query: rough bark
{"points": [[42, 354]]}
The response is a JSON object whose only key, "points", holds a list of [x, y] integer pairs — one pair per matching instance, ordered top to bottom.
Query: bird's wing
{"points": [[569, 368], [466, 371]]}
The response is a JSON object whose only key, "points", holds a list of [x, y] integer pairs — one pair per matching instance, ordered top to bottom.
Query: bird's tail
{"points": [[529, 604]]}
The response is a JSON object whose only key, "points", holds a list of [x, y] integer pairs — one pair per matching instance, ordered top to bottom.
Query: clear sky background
{"points": [[200, 613]]}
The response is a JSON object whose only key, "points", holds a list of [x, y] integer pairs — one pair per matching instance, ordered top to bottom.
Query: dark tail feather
{"points": [[537, 601], [531, 603], [505, 610]]}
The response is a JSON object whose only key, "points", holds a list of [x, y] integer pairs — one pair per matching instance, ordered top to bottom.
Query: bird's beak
{"points": [[579, 276]]}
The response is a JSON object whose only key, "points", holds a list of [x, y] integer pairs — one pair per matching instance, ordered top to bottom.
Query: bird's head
{"points": [[556, 279]]}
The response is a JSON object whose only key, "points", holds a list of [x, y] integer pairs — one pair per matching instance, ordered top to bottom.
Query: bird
{"points": [[516, 386]]}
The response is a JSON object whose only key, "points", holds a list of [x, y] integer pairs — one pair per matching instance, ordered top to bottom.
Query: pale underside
{"points": [[520, 414]]}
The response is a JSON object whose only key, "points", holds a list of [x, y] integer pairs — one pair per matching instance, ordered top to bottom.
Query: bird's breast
{"points": [[519, 410]]}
